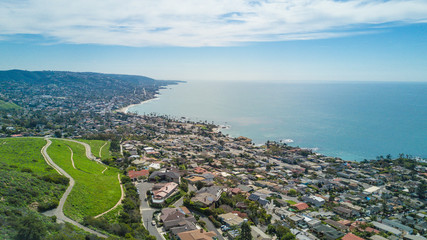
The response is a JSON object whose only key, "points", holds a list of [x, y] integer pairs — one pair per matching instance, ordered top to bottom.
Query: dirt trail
{"points": [[118, 203], [59, 213]]}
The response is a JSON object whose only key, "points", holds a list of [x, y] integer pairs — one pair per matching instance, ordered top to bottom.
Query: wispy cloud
{"points": [[195, 23]]}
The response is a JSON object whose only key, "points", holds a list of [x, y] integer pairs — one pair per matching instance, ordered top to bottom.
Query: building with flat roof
{"points": [[231, 219], [386, 228]]}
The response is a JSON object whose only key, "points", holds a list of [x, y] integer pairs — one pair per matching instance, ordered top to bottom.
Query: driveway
{"points": [[146, 210], [211, 227]]}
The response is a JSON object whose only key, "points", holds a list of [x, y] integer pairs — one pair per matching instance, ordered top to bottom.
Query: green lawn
{"points": [[5, 106], [95, 145], [24, 153], [93, 192], [291, 202]]}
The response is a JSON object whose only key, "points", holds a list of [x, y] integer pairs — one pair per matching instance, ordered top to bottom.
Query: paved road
{"points": [[87, 148], [146, 210], [59, 213], [211, 227]]}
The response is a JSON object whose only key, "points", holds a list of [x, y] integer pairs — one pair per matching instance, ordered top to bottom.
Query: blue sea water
{"points": [[354, 121]]}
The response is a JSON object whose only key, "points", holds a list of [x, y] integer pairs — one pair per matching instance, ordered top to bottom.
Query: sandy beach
{"points": [[126, 109]]}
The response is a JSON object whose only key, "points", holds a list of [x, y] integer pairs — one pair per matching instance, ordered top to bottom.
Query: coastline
{"points": [[126, 109]]}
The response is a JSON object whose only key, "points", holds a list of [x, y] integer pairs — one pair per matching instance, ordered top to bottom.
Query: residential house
{"points": [[133, 175], [167, 176], [208, 195], [159, 196], [261, 196], [314, 200], [300, 206], [344, 212], [231, 219], [177, 220], [397, 225], [386, 228], [324, 232], [198, 234], [258, 234], [351, 236]]}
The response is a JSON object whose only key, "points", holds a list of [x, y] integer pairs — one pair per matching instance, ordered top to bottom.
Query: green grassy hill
{"points": [[7, 106], [98, 144], [29, 186], [94, 191]]}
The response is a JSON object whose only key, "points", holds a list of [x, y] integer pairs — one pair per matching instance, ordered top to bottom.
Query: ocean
{"points": [[353, 121]]}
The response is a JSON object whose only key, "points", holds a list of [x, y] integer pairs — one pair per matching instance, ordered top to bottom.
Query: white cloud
{"points": [[200, 23]]}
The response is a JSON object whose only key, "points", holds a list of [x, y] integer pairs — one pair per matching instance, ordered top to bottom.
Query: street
{"points": [[146, 210]]}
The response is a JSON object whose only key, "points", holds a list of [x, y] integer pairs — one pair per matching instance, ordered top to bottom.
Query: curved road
{"points": [[87, 148], [59, 213]]}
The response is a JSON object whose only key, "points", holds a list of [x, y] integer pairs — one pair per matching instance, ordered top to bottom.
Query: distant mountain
{"points": [[89, 78], [75, 90]]}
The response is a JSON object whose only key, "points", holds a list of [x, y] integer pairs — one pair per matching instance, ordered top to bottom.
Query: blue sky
{"points": [[289, 40]]}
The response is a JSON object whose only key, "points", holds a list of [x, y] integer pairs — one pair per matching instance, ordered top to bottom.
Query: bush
{"points": [[27, 170], [55, 178], [173, 198], [44, 206], [214, 221]]}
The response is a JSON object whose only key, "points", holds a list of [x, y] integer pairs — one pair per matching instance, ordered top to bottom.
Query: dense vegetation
{"points": [[24, 153], [29, 186]]}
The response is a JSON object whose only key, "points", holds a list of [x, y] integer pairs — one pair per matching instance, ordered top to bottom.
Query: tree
{"points": [[58, 134], [199, 185], [421, 189], [292, 192], [30, 227], [245, 233], [288, 236]]}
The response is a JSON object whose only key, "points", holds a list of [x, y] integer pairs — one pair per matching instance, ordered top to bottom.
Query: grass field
{"points": [[5, 106], [96, 145], [24, 153], [93, 192]]}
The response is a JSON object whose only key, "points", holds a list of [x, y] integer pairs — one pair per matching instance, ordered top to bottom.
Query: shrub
{"points": [[27, 170], [55, 178], [44, 206]]}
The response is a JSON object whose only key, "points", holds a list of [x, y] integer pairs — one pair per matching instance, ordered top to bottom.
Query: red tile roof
{"points": [[199, 170], [135, 174], [301, 206], [351, 236]]}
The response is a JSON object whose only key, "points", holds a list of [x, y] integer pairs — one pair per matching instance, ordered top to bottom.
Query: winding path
{"points": [[87, 148], [100, 149], [72, 160], [119, 202], [59, 213]]}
